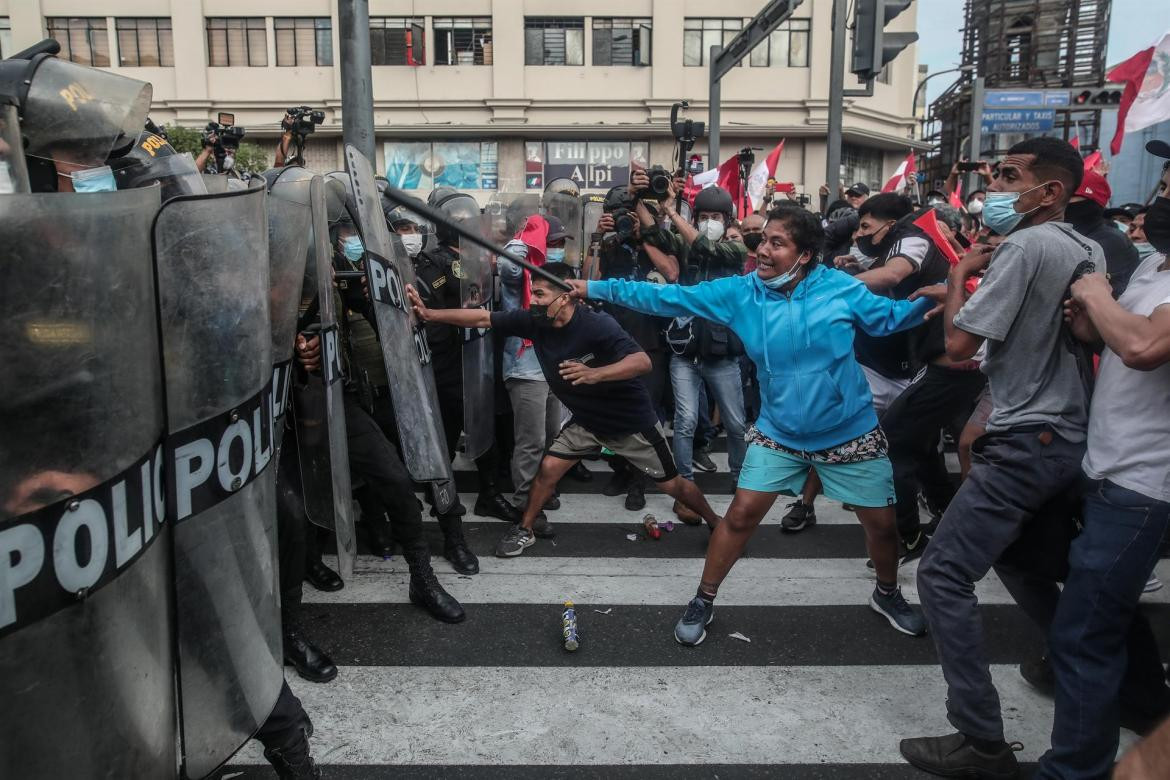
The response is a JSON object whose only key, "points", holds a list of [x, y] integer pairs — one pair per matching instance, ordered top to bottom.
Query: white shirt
{"points": [[1129, 419]]}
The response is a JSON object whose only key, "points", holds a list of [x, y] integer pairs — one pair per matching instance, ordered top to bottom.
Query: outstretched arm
{"points": [[709, 300], [878, 315], [463, 318]]}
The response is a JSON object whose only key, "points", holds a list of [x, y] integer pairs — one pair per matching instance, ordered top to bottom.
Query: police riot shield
{"points": [[566, 206], [290, 224], [211, 261], [403, 340], [319, 407], [86, 666]]}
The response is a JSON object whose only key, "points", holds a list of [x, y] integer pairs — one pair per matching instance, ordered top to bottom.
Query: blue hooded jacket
{"points": [[813, 392]]}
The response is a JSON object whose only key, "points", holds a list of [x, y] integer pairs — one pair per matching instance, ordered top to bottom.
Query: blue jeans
{"points": [[723, 379], [1109, 562]]}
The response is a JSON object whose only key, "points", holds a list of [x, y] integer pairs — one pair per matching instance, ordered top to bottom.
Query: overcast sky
{"points": [[1134, 25]]}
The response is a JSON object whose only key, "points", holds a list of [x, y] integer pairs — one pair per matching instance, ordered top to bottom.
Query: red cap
{"points": [[1095, 188]]}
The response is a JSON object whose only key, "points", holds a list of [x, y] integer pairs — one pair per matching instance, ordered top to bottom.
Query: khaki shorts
{"points": [[647, 451]]}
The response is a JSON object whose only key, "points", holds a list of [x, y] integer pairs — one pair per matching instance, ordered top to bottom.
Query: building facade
{"points": [[493, 95]]}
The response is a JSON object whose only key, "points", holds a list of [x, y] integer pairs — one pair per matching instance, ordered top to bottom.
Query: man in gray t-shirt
{"points": [[1018, 308], [1033, 448]]}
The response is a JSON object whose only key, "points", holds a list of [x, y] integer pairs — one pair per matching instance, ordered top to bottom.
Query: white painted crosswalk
{"points": [[823, 689]]}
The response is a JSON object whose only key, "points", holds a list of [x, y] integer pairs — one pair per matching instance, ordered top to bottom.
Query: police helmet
{"points": [[714, 199]]}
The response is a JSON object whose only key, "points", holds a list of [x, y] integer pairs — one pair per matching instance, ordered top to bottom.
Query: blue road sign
{"points": [[1026, 98], [1026, 120]]}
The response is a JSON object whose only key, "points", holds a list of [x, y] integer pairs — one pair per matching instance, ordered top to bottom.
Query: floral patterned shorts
{"points": [[869, 446]]}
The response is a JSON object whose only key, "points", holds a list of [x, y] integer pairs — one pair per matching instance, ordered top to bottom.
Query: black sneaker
{"points": [[701, 461], [580, 473], [617, 485], [636, 496], [553, 503], [495, 505], [799, 517], [542, 528], [514, 541], [908, 552], [1037, 672], [956, 756]]}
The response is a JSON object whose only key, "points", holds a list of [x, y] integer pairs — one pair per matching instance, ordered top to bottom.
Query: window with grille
{"points": [[699, 35], [5, 38], [83, 39], [397, 40], [554, 40], [303, 41], [463, 41], [621, 41], [237, 42], [145, 43], [786, 47], [863, 164]]}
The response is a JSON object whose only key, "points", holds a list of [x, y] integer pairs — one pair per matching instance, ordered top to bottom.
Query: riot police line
{"points": [[155, 425]]}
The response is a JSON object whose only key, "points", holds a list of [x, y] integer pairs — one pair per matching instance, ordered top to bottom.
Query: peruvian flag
{"points": [[1146, 98], [1075, 141], [1092, 161], [903, 176], [727, 177], [758, 181], [957, 195]]}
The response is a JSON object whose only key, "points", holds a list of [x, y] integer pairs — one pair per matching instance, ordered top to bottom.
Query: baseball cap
{"points": [[1158, 148], [1095, 188], [857, 189], [556, 230]]}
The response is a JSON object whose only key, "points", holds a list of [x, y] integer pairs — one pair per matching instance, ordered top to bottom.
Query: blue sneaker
{"points": [[902, 616], [692, 627]]}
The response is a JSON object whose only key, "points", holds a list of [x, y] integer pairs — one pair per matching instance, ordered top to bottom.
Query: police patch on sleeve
{"points": [[456, 270], [442, 280]]}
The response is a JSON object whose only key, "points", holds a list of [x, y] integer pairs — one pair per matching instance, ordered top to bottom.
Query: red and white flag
{"points": [[1146, 98], [1075, 141], [1092, 161], [903, 176], [727, 177], [758, 181], [957, 195]]}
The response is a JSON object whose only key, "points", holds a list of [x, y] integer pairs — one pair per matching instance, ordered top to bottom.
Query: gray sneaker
{"points": [[701, 461], [799, 517], [542, 528], [514, 541], [895, 608], [692, 627]]}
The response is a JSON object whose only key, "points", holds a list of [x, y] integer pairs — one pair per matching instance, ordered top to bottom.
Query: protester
{"points": [[857, 194], [1086, 212], [753, 233]]}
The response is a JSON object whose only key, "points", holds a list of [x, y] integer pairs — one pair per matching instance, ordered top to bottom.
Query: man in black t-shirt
{"points": [[592, 366]]}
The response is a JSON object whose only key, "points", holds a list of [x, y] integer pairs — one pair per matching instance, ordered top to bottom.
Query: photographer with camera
{"points": [[298, 123], [221, 142], [703, 351]]}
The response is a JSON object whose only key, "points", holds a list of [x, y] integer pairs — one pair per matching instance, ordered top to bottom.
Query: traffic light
{"points": [[873, 47], [1102, 96]]}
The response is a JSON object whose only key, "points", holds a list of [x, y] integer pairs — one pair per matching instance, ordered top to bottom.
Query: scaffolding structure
{"points": [[1016, 44]]}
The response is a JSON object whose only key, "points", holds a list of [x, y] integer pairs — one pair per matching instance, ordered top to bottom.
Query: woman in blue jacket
{"points": [[796, 320]]}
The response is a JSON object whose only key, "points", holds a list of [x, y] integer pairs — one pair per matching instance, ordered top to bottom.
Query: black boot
{"points": [[580, 473], [618, 483], [636, 494], [495, 505], [378, 535], [455, 548], [322, 577], [426, 592], [308, 659], [292, 760]]}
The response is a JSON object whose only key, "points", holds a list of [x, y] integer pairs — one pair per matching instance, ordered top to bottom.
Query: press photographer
{"points": [[299, 122], [221, 143]]}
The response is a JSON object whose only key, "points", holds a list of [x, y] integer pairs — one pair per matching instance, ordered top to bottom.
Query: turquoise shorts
{"points": [[868, 483]]}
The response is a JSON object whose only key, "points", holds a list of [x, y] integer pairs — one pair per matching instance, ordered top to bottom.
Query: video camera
{"points": [[300, 121], [686, 132], [225, 133]]}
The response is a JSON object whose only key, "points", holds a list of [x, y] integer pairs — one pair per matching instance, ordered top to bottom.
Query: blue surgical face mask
{"points": [[94, 180], [999, 210], [1124, 228], [351, 247], [1144, 249], [555, 254], [777, 282]]}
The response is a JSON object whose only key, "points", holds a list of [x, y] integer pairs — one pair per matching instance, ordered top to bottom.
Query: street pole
{"points": [[357, 91], [836, 98], [713, 112], [974, 180]]}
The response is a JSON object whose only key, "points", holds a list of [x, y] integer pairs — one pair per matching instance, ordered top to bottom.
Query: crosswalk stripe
{"points": [[516, 714]]}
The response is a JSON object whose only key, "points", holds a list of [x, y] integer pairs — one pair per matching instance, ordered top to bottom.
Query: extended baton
{"points": [[400, 198]]}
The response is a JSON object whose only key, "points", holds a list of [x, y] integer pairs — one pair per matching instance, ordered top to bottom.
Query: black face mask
{"points": [[1083, 212], [1157, 224], [753, 240], [871, 248], [539, 313]]}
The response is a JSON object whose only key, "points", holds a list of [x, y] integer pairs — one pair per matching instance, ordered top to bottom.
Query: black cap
{"points": [[1158, 149], [857, 189], [556, 230]]}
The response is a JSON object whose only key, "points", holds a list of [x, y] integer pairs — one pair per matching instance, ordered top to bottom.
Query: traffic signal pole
{"points": [[357, 91], [836, 101]]}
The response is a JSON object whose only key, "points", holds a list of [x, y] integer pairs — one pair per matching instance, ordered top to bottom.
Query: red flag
{"points": [[1131, 73], [1075, 141], [1092, 161], [903, 176], [758, 180], [957, 195], [928, 222], [534, 234]]}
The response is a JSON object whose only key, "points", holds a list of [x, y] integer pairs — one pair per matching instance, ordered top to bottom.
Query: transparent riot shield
{"points": [[592, 207], [567, 208], [290, 224], [211, 261], [403, 340], [319, 407], [86, 625]]}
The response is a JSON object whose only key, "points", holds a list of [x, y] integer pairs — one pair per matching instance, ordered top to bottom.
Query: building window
{"points": [[699, 35], [5, 38], [83, 39], [397, 40], [554, 40], [303, 41], [463, 41], [621, 41], [237, 42], [145, 43], [786, 47], [861, 164], [464, 165]]}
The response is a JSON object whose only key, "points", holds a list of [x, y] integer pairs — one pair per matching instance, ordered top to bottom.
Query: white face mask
{"points": [[229, 162], [975, 207], [711, 228], [412, 242]]}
